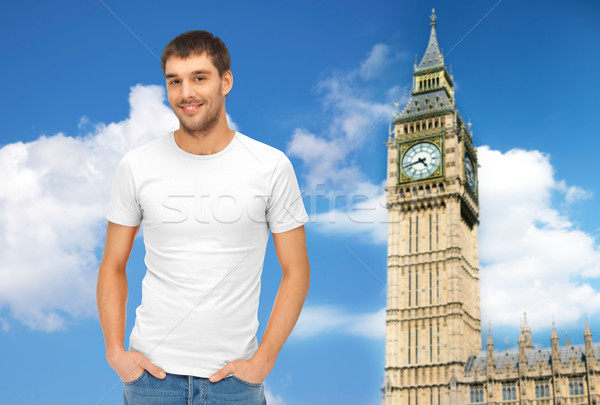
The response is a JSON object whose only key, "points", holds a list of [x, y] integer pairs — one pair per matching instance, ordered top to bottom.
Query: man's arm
{"points": [[293, 289], [111, 294]]}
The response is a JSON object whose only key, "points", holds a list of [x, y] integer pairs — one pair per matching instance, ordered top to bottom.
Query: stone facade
{"points": [[433, 312], [550, 376]]}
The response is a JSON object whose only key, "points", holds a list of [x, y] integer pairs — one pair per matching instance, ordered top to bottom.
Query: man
{"points": [[207, 196]]}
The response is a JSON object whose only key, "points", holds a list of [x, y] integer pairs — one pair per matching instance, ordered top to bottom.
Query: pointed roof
{"points": [[433, 57], [435, 100], [525, 324], [587, 332], [554, 335], [525, 337], [490, 341], [511, 359]]}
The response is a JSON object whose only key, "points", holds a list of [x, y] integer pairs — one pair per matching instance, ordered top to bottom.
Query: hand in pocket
{"points": [[131, 365]]}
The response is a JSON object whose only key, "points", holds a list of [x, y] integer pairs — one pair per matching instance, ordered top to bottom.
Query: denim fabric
{"points": [[177, 389]]}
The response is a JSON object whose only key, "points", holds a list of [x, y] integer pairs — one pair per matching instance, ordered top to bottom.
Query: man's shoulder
{"points": [[149, 149], [260, 149]]}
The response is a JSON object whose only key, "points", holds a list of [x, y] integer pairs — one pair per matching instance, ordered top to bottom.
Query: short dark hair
{"points": [[196, 43]]}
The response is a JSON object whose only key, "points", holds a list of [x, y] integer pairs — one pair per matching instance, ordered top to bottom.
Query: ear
{"points": [[226, 82]]}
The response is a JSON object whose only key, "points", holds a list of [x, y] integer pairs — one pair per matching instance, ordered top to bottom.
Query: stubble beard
{"points": [[206, 124]]}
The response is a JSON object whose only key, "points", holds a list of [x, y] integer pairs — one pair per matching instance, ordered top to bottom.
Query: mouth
{"points": [[190, 108]]}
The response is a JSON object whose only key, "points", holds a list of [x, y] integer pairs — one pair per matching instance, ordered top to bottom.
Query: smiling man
{"points": [[207, 196]]}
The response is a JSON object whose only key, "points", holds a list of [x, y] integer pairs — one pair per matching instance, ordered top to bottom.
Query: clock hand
{"points": [[420, 160]]}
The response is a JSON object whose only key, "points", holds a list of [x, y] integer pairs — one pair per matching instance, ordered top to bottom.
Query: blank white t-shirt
{"points": [[206, 221]]}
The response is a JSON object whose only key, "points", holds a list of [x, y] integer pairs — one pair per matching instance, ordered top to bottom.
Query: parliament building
{"points": [[433, 318]]}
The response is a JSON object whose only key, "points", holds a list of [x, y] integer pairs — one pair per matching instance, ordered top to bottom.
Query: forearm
{"points": [[111, 295], [288, 304]]}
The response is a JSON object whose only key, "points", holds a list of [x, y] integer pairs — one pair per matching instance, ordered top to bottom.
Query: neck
{"points": [[205, 142]]}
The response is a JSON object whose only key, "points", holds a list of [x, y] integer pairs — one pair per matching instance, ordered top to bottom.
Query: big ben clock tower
{"points": [[433, 319]]}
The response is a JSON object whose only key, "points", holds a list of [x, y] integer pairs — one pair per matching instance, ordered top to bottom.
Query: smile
{"points": [[189, 109]]}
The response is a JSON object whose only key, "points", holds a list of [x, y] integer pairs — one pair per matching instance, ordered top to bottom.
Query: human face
{"points": [[196, 92]]}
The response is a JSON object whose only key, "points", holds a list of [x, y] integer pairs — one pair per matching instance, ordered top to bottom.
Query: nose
{"points": [[186, 91]]}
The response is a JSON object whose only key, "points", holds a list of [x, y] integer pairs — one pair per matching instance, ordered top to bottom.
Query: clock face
{"points": [[421, 160], [469, 172]]}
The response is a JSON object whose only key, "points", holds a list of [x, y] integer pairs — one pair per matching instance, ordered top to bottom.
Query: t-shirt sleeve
{"points": [[124, 208], [285, 208]]}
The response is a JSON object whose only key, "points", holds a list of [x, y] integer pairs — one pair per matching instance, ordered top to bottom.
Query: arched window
{"points": [[509, 392], [476, 395]]}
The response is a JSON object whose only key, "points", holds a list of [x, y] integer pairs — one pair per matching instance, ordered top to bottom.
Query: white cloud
{"points": [[375, 62], [354, 115], [83, 121], [231, 124], [330, 157], [323, 159], [573, 193], [54, 197], [362, 215], [530, 251], [532, 257], [319, 319], [5, 325], [271, 398]]}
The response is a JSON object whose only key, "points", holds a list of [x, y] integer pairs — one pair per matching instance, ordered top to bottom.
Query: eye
{"points": [[199, 78], [175, 81]]}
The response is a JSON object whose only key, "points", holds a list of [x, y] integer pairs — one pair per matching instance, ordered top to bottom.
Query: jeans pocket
{"points": [[137, 379], [256, 385]]}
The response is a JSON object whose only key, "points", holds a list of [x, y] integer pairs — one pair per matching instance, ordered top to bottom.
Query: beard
{"points": [[205, 124]]}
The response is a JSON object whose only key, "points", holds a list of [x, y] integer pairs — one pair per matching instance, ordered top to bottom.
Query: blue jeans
{"points": [[177, 389]]}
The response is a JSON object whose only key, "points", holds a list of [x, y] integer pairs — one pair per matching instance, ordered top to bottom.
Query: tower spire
{"points": [[433, 57], [433, 87], [587, 331], [526, 334], [554, 335], [589, 347], [555, 349], [490, 364]]}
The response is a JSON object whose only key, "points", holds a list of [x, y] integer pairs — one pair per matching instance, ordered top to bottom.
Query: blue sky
{"points": [[317, 81]]}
